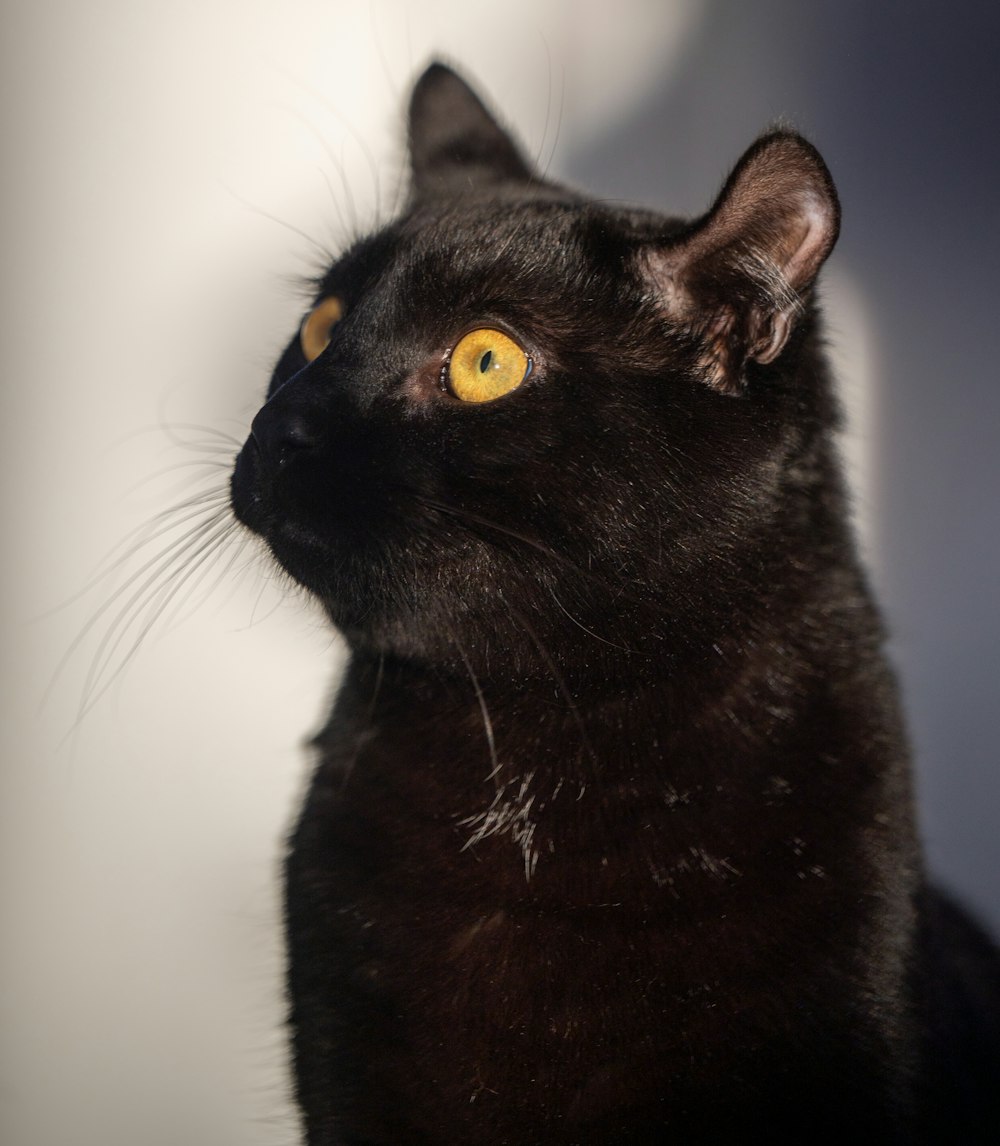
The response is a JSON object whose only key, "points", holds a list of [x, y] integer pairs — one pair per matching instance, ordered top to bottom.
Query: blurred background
{"points": [[169, 170]]}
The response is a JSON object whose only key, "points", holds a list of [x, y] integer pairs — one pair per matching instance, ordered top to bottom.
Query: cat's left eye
{"points": [[314, 337], [484, 365]]}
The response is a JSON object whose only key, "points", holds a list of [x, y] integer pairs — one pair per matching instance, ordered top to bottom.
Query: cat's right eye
{"points": [[314, 337]]}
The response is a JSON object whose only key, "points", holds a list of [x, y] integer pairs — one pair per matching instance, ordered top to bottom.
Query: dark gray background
{"points": [[903, 100]]}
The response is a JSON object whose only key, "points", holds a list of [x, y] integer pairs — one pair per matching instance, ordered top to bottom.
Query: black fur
{"points": [[611, 836]]}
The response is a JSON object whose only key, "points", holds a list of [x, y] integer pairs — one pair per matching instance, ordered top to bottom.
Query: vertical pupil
{"points": [[484, 362]]}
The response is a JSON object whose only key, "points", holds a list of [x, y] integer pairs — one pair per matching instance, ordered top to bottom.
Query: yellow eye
{"points": [[314, 337], [486, 364]]}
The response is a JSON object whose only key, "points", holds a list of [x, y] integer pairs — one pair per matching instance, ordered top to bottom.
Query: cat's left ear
{"points": [[454, 141], [739, 277]]}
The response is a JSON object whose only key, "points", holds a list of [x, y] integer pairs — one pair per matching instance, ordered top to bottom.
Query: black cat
{"points": [[611, 837]]}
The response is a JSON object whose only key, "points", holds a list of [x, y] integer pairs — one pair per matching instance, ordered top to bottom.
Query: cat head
{"points": [[518, 420]]}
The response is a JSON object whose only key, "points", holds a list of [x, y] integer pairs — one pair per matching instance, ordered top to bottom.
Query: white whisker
{"points": [[148, 601]]}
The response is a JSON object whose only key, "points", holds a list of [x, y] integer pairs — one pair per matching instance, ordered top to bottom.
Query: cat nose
{"points": [[280, 434]]}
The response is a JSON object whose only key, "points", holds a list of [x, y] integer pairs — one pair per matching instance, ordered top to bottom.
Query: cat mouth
{"points": [[293, 546], [312, 556]]}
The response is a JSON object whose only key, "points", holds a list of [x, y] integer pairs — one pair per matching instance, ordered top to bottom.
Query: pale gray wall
{"points": [[159, 161]]}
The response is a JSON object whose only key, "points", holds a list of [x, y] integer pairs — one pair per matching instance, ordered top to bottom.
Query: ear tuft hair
{"points": [[740, 275]]}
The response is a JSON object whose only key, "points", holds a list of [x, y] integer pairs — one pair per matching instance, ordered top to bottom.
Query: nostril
{"points": [[279, 435]]}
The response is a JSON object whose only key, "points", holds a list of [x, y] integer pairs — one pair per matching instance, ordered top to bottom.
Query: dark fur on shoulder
{"points": [[611, 836]]}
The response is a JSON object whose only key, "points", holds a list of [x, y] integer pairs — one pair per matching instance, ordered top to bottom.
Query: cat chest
{"points": [[523, 954], [495, 992], [494, 1020]]}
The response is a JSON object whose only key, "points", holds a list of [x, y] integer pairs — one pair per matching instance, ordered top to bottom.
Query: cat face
{"points": [[515, 409]]}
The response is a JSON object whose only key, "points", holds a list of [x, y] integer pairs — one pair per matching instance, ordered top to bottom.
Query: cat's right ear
{"points": [[454, 141], [738, 279]]}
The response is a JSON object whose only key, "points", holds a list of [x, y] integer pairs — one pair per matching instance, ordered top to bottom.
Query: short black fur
{"points": [[610, 838]]}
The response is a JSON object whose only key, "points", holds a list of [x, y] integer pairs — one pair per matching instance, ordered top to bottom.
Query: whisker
{"points": [[387, 75], [356, 136], [544, 167], [352, 206], [344, 228], [324, 253], [168, 429], [212, 432], [207, 464], [477, 519], [148, 532], [190, 543], [159, 562], [623, 591], [256, 605], [140, 606], [175, 617], [580, 625], [558, 678], [378, 687], [484, 710]]}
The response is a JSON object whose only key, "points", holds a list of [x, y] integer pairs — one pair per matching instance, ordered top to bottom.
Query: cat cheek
{"points": [[422, 389]]}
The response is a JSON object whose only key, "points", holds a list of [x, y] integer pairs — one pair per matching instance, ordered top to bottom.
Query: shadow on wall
{"points": [[904, 103]]}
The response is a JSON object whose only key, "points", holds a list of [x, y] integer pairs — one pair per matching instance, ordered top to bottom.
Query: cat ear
{"points": [[454, 141], [739, 278]]}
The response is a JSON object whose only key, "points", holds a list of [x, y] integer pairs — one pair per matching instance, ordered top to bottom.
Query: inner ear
{"points": [[454, 141], [739, 278]]}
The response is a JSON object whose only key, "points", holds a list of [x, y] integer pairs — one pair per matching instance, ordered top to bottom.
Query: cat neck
{"points": [[746, 749]]}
